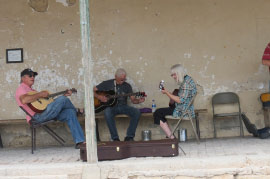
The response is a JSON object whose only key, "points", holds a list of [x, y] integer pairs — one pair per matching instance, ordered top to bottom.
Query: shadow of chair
{"points": [[226, 105], [182, 118], [34, 125]]}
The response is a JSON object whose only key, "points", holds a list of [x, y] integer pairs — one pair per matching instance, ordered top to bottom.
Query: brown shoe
{"points": [[78, 145]]}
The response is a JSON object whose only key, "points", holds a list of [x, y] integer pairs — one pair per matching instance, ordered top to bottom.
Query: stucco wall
{"points": [[219, 42]]}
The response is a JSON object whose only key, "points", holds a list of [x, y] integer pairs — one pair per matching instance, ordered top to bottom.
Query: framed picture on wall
{"points": [[14, 55]]}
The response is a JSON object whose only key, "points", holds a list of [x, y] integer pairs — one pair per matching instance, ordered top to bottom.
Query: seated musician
{"points": [[119, 86], [187, 89], [61, 108]]}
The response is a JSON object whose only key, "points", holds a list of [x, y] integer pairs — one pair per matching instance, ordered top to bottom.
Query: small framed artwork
{"points": [[14, 55]]}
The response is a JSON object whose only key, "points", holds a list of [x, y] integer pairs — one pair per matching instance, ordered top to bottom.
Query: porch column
{"points": [[90, 125]]}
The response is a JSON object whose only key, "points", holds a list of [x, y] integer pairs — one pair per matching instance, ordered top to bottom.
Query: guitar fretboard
{"points": [[128, 94]]}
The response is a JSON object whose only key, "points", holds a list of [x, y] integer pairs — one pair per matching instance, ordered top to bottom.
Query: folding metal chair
{"points": [[222, 100], [182, 118], [34, 125]]}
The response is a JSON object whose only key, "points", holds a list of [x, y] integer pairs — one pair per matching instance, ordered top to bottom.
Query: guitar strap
{"points": [[115, 89]]}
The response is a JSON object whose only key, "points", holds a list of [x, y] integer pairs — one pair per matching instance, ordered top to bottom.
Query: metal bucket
{"points": [[146, 135], [182, 135]]}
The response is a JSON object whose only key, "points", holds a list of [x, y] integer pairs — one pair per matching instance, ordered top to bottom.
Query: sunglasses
{"points": [[32, 75]]}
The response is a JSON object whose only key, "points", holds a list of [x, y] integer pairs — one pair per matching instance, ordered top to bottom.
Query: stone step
{"points": [[41, 171], [36, 177]]}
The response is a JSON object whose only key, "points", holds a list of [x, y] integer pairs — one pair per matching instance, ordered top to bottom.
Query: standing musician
{"points": [[266, 56], [266, 59], [119, 86], [187, 89], [61, 108]]}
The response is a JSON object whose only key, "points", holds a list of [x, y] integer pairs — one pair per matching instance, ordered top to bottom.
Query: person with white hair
{"points": [[187, 89], [123, 90]]}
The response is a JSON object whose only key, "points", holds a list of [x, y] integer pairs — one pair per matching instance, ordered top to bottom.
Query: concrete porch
{"points": [[246, 157]]}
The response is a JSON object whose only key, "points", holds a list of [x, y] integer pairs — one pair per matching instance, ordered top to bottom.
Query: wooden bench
{"points": [[147, 115], [101, 116], [10, 121], [20, 121]]}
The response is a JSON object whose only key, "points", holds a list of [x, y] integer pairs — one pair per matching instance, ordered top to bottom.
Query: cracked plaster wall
{"points": [[219, 42]]}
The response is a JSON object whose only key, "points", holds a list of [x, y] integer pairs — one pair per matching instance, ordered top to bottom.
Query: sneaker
{"points": [[117, 139], [129, 139]]}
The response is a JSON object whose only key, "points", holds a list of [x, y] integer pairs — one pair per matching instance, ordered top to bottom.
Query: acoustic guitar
{"points": [[112, 99], [172, 102], [41, 104]]}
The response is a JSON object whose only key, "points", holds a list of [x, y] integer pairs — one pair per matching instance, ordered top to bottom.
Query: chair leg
{"points": [[214, 124], [176, 126], [241, 127], [97, 131], [195, 132], [53, 134], [60, 138], [32, 139], [1, 143], [182, 149]]}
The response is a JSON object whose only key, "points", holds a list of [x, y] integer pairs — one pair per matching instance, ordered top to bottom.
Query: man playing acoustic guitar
{"points": [[123, 89], [61, 107]]}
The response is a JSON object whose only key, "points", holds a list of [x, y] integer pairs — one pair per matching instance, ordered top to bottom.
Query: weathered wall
{"points": [[219, 42], [51, 44]]}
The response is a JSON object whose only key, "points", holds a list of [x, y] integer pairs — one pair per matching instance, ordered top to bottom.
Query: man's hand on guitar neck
{"points": [[68, 93], [135, 100]]}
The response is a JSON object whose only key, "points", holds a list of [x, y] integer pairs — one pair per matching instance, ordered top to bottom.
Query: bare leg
{"points": [[165, 127]]}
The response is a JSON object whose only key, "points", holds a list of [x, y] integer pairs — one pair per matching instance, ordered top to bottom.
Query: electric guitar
{"points": [[112, 99], [41, 104]]}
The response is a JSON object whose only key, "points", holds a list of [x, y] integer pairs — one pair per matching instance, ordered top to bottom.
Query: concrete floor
{"points": [[246, 157]]}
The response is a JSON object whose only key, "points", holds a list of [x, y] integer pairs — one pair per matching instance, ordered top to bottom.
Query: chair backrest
{"points": [[225, 98], [27, 114]]}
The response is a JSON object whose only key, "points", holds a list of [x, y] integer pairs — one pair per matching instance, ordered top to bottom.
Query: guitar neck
{"points": [[56, 94], [121, 95]]}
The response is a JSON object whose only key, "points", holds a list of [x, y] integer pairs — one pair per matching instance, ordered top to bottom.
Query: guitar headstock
{"points": [[161, 85], [73, 90]]}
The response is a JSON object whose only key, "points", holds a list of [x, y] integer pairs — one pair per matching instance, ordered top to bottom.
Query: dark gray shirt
{"points": [[124, 88]]}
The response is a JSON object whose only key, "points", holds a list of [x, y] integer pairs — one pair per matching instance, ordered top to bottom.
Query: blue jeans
{"points": [[62, 109], [133, 113]]}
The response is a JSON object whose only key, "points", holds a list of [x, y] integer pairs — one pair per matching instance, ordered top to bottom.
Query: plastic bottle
{"points": [[154, 106]]}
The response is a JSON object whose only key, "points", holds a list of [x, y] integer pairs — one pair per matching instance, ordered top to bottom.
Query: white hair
{"points": [[120, 71], [180, 72]]}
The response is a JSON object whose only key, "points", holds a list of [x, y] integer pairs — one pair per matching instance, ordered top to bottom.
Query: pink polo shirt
{"points": [[21, 90]]}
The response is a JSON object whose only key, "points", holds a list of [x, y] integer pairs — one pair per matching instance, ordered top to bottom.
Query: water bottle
{"points": [[154, 106]]}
